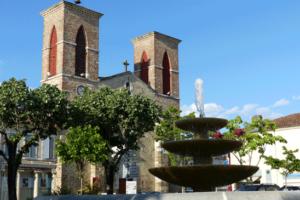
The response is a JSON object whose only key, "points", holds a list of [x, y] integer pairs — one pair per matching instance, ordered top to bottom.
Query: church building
{"points": [[70, 60]]}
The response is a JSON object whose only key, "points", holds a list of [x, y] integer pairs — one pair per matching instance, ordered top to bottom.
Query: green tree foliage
{"points": [[41, 112], [123, 120], [167, 131], [255, 139], [82, 146], [288, 165]]}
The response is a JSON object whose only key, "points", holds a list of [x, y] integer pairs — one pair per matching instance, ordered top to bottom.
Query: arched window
{"points": [[53, 53], [80, 57], [144, 70], [166, 74], [128, 85]]}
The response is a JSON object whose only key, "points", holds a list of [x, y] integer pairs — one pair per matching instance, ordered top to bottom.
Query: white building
{"points": [[289, 128]]}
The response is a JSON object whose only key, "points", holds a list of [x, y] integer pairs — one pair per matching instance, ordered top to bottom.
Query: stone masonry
{"points": [[67, 18]]}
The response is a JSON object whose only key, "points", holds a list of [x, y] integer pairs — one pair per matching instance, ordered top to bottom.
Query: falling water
{"points": [[199, 94]]}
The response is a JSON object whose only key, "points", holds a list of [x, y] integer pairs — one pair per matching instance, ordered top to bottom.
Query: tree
{"points": [[41, 111], [122, 118], [167, 131], [255, 139], [82, 146], [288, 165]]}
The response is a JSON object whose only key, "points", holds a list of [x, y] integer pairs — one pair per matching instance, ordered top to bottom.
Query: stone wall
{"points": [[67, 19]]}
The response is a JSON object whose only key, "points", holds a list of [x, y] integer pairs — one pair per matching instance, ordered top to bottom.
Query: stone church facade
{"points": [[70, 61]]}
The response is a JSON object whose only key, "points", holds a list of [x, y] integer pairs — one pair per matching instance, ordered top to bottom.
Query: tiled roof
{"points": [[290, 120], [286, 121]]}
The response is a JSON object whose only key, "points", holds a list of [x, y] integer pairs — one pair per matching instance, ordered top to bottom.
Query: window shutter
{"points": [[144, 69], [166, 74], [46, 148], [51, 148], [27, 155]]}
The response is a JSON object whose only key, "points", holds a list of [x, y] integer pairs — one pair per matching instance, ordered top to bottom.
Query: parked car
{"points": [[255, 187], [290, 188], [189, 191], [149, 192]]}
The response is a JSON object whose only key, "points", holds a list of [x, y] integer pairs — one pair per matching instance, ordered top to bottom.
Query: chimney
{"points": [[257, 117]]}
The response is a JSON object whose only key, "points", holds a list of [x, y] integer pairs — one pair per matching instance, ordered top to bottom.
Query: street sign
{"points": [[130, 187]]}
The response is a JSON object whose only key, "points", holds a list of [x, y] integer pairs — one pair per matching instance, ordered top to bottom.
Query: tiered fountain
{"points": [[203, 176]]}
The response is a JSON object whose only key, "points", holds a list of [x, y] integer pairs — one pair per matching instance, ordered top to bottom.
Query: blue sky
{"points": [[246, 52]]}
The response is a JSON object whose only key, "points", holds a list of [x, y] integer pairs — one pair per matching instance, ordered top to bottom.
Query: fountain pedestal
{"points": [[203, 176]]}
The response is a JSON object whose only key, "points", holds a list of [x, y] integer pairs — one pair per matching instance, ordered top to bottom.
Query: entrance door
{"points": [[122, 186]]}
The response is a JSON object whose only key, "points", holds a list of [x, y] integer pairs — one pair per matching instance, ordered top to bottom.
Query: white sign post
{"points": [[130, 187]]}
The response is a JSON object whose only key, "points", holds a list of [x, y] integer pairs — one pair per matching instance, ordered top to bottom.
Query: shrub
{"points": [[90, 189]]}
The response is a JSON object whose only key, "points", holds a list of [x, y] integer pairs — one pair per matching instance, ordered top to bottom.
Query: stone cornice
{"points": [[70, 6], [156, 35], [71, 76]]}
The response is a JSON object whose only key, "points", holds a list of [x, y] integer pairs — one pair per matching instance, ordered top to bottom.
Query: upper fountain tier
{"points": [[201, 126], [202, 147]]}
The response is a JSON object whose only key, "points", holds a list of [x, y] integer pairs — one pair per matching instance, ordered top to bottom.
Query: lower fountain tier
{"points": [[202, 147], [197, 176]]}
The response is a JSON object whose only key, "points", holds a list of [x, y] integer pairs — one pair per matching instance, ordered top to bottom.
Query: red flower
{"points": [[218, 135]]}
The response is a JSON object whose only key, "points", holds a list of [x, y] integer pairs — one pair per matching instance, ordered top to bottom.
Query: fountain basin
{"points": [[201, 126], [202, 147], [205, 176]]}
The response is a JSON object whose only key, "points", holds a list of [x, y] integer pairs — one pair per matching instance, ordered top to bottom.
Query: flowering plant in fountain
{"points": [[239, 133], [218, 135]]}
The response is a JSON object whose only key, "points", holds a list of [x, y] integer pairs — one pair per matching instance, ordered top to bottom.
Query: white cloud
{"points": [[296, 98], [281, 102], [188, 109], [210, 109], [247, 109], [229, 112], [267, 113]]}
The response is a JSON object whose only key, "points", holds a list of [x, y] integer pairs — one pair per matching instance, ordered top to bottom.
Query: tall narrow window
{"points": [[53, 53], [80, 53], [144, 70], [166, 74]]}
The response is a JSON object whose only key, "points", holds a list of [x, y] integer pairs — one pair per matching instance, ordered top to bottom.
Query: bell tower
{"points": [[70, 46], [156, 62]]}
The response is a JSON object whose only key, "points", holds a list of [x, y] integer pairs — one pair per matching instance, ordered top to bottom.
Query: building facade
{"points": [[70, 60], [289, 128]]}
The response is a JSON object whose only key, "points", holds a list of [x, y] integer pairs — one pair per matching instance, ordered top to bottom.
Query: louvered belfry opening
{"points": [[53, 52], [80, 60], [144, 70], [166, 74]]}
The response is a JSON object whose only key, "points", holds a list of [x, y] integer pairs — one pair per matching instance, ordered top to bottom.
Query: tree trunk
{"points": [[109, 175], [11, 179], [251, 180], [285, 182], [81, 185], [183, 189]]}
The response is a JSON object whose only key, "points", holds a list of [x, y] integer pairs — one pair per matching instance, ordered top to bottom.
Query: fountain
{"points": [[203, 176]]}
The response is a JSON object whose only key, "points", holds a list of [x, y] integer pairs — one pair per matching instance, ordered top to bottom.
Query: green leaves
{"points": [[41, 111], [123, 119], [167, 131], [256, 137], [82, 144], [288, 165]]}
